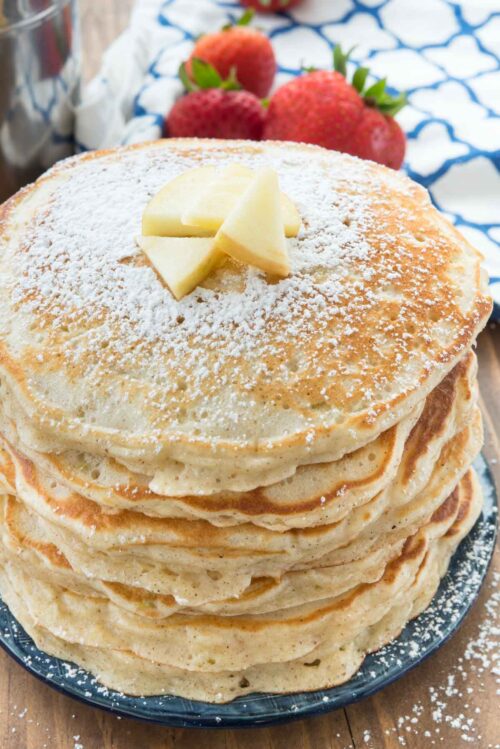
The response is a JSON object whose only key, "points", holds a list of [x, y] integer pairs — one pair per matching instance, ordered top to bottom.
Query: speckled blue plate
{"points": [[420, 638]]}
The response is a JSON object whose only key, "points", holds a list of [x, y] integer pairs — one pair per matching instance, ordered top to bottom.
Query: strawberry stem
{"points": [[231, 83], [376, 94]]}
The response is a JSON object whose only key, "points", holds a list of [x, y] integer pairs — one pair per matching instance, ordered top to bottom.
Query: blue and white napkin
{"points": [[446, 55]]}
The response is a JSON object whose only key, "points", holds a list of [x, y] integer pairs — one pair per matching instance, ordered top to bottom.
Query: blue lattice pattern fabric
{"points": [[446, 55]]}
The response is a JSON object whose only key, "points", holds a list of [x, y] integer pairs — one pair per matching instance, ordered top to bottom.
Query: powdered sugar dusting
{"points": [[75, 254], [336, 332]]}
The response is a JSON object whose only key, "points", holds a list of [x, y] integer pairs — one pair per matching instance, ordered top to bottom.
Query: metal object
{"points": [[39, 82]]}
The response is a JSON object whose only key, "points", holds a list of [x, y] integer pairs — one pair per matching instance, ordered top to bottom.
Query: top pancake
{"points": [[247, 377]]}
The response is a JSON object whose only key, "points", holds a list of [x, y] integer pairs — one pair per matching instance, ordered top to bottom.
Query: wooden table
{"points": [[33, 716]]}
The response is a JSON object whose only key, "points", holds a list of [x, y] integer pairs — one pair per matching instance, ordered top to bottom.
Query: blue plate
{"points": [[421, 637]]}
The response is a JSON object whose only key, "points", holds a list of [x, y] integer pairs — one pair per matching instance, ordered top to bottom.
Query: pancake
{"points": [[238, 384], [444, 411], [7, 472], [314, 495], [82, 529], [25, 542], [185, 568], [358, 622], [234, 642]]}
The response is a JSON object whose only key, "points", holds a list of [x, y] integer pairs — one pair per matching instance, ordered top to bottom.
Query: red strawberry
{"points": [[270, 6], [247, 51], [319, 107], [322, 107], [214, 108], [378, 137]]}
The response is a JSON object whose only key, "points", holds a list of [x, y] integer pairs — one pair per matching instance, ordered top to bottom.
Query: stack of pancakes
{"points": [[251, 488]]}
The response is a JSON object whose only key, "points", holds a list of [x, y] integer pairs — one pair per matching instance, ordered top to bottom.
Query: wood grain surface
{"points": [[448, 701]]}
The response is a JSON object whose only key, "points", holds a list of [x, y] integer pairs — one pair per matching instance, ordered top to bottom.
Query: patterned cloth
{"points": [[446, 55]]}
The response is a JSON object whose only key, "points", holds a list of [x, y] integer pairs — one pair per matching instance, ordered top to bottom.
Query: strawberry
{"points": [[270, 6], [246, 50], [319, 107], [214, 108], [324, 108], [379, 138]]}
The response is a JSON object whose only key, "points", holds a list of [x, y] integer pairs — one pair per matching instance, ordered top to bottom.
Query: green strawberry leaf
{"points": [[246, 18], [340, 59], [203, 76], [359, 79], [376, 91], [391, 105]]}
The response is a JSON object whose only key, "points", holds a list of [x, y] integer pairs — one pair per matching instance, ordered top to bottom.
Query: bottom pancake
{"points": [[358, 623]]}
